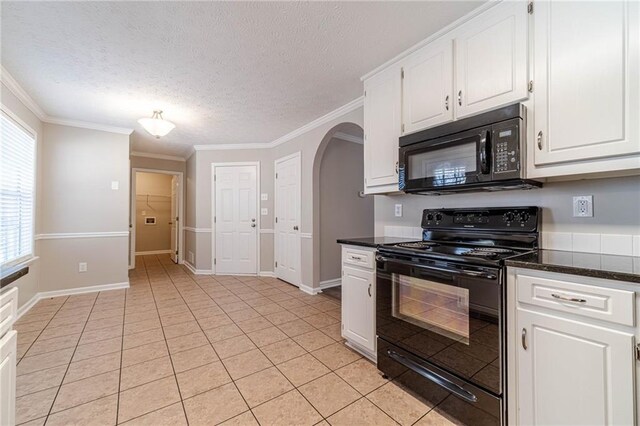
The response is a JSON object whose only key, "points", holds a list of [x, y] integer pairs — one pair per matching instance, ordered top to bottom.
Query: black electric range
{"points": [[440, 307]]}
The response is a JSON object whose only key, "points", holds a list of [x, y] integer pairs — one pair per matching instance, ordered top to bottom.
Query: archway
{"points": [[339, 208]]}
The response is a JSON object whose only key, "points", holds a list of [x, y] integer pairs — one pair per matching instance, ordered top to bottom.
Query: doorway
{"points": [[156, 211], [287, 219], [236, 227]]}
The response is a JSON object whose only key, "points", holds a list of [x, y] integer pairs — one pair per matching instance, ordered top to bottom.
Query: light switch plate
{"points": [[115, 185], [264, 196], [583, 206], [398, 210], [264, 211], [82, 267]]}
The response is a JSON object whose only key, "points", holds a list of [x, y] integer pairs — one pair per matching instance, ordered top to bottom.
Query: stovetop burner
{"points": [[417, 244], [488, 252]]}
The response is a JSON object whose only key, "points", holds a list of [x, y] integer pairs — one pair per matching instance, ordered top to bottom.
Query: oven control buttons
{"points": [[508, 216], [524, 216]]}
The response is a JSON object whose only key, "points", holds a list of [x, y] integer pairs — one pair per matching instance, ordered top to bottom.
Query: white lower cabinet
{"points": [[358, 302], [8, 348], [570, 364]]}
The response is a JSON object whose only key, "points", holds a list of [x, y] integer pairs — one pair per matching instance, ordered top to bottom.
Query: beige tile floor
{"points": [[201, 350]]}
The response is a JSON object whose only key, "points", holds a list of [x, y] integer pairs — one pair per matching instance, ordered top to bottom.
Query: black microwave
{"points": [[484, 152]]}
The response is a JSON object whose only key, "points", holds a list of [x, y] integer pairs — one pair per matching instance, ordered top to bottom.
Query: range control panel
{"points": [[521, 219]]}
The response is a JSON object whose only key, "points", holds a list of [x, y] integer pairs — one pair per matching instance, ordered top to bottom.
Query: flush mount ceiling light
{"points": [[156, 125]]}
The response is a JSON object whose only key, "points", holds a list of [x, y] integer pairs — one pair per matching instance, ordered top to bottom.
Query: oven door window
{"points": [[450, 165], [441, 308]]}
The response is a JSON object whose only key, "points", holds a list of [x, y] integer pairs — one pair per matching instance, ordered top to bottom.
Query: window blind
{"points": [[17, 176]]}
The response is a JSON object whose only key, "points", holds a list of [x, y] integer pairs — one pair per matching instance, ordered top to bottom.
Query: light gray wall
{"points": [[78, 167], [153, 199], [616, 205], [342, 212], [29, 284]]}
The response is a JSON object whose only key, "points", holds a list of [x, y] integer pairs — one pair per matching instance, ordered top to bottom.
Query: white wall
{"points": [[78, 168]]}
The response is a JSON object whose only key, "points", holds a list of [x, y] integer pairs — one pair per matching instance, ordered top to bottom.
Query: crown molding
{"points": [[15, 88], [21, 94], [351, 106], [336, 113], [88, 125], [349, 138], [156, 156]]}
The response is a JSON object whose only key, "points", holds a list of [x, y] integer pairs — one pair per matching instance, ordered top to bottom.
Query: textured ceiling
{"points": [[223, 72]]}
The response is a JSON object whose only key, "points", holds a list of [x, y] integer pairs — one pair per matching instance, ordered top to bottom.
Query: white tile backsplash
{"points": [[557, 241], [587, 243], [616, 244], [636, 245]]}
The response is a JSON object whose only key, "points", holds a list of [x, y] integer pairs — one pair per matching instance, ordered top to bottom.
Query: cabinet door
{"points": [[491, 59], [586, 80], [427, 87], [382, 129], [358, 307], [573, 373], [8, 378]]}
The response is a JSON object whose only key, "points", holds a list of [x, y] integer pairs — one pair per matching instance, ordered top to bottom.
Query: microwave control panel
{"points": [[506, 148]]}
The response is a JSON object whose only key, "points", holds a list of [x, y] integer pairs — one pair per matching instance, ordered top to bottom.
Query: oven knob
{"points": [[429, 216], [438, 216], [508, 216], [524, 216]]}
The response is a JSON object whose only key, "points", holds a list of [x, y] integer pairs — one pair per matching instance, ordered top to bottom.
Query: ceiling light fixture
{"points": [[156, 125]]}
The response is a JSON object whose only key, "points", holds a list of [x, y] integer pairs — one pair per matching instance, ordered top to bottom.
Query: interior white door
{"points": [[491, 59], [586, 80], [427, 87], [287, 214], [174, 218], [235, 220], [573, 373]]}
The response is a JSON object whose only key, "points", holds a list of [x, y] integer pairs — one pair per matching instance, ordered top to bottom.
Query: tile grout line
{"points": [[124, 314]]}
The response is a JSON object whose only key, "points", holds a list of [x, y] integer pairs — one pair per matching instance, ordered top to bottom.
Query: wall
{"points": [[78, 168], [153, 198], [616, 206], [342, 212], [29, 284]]}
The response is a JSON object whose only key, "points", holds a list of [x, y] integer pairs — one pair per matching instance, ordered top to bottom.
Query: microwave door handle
{"points": [[485, 143], [468, 273], [434, 377]]}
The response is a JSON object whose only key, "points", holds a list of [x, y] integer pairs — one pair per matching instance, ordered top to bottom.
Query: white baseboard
{"points": [[146, 253], [195, 271], [267, 274], [330, 283], [309, 290], [68, 292]]}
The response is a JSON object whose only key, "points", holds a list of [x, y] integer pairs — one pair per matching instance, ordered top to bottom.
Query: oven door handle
{"points": [[485, 145], [466, 272], [434, 377]]}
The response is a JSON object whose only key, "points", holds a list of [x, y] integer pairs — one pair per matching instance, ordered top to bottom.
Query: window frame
{"points": [[11, 267]]}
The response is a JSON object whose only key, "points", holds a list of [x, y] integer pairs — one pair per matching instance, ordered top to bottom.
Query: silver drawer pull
{"points": [[355, 257], [568, 299]]}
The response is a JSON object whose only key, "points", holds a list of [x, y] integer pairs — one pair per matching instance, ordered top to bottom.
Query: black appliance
{"points": [[481, 153], [440, 308]]}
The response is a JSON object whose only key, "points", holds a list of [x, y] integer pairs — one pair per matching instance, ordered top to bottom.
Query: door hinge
{"points": [[530, 8], [401, 72], [530, 86], [365, 93], [402, 127], [276, 176], [214, 178], [177, 218], [214, 219], [276, 220], [176, 252], [214, 261], [276, 264]]}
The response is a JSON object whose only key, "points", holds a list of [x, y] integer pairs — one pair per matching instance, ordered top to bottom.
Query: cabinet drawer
{"points": [[362, 258], [607, 304], [8, 310]]}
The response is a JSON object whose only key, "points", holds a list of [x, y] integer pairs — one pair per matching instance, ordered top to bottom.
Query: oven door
{"points": [[448, 162], [445, 314]]}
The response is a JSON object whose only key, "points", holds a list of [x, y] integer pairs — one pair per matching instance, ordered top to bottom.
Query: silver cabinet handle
{"points": [[460, 98], [446, 102], [540, 140], [396, 167], [355, 257], [369, 290], [568, 299], [524, 339]]}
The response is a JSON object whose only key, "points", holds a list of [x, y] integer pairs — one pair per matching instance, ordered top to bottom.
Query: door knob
{"points": [[253, 220], [253, 225], [295, 228]]}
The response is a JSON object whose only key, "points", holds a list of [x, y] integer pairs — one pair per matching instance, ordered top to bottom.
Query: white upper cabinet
{"points": [[491, 59], [586, 81], [427, 87], [381, 131]]}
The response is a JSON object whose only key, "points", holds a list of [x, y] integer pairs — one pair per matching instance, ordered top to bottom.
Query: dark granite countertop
{"points": [[373, 242], [607, 266]]}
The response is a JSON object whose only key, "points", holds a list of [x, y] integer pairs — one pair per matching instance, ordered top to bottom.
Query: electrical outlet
{"points": [[115, 185], [264, 196], [583, 206], [398, 210], [264, 211], [191, 258], [82, 267]]}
